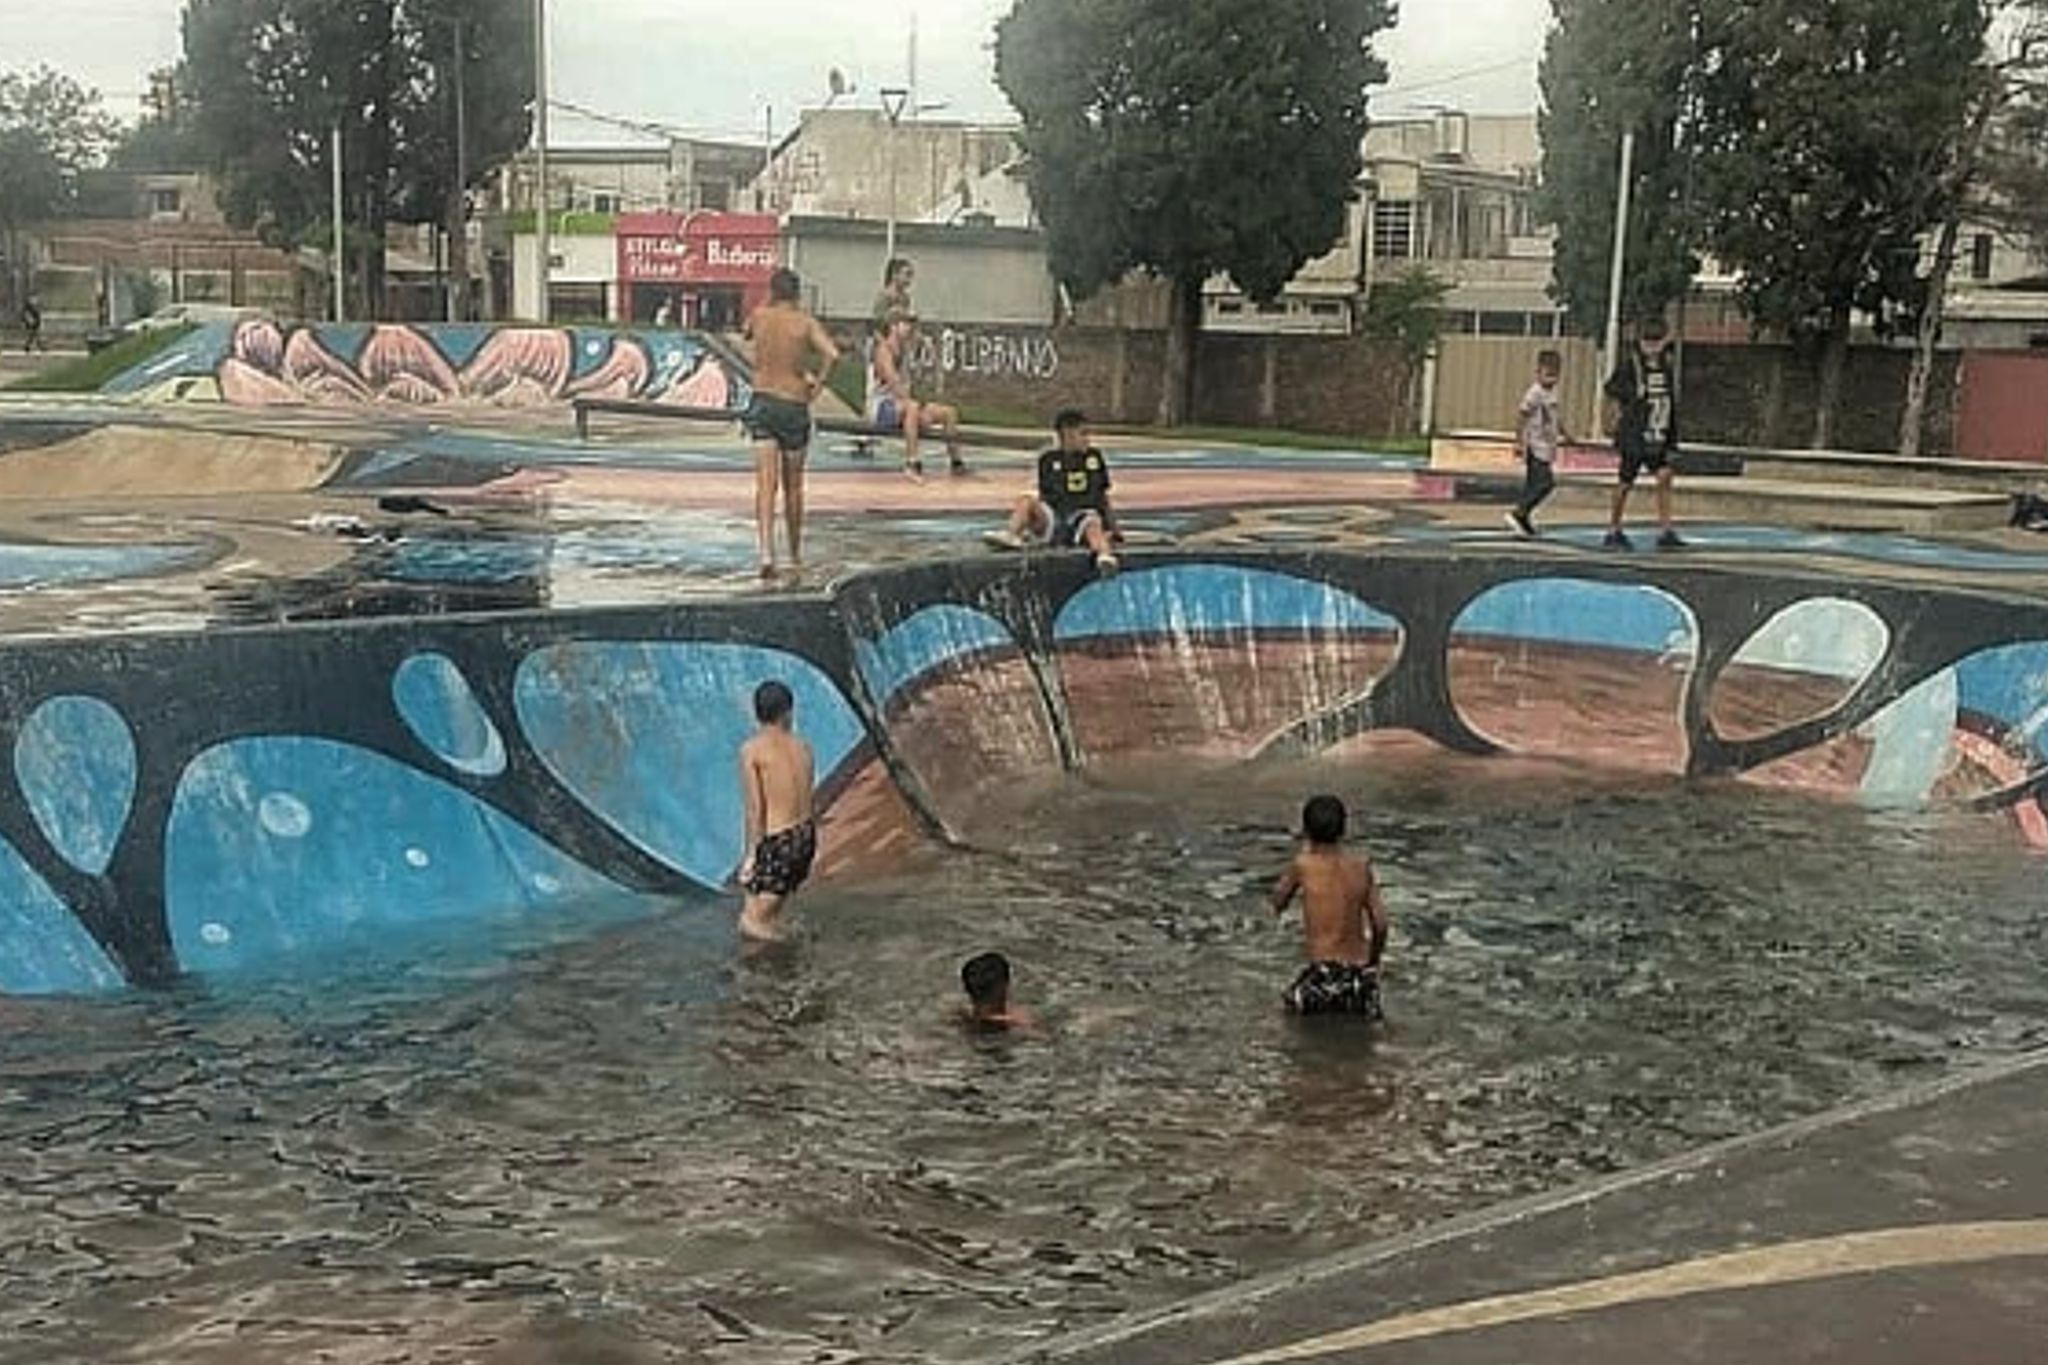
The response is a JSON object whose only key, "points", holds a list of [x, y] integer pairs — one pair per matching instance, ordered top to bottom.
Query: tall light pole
{"points": [[895, 100], [545, 246], [340, 248], [1619, 275]]}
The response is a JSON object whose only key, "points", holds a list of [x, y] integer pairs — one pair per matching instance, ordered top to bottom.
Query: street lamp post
{"points": [[894, 101], [545, 246], [340, 261]]}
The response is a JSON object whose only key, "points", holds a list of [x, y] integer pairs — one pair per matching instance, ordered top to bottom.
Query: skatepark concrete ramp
{"points": [[261, 800]]}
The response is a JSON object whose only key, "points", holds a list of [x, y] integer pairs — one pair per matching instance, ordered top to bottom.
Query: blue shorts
{"points": [[886, 416]]}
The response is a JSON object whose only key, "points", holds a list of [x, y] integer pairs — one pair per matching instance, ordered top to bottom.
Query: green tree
{"points": [[1613, 67], [268, 81], [64, 116], [52, 131], [1827, 135], [1190, 138], [1408, 308]]}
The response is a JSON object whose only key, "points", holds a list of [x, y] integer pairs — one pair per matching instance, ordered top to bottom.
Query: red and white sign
{"points": [[698, 248]]}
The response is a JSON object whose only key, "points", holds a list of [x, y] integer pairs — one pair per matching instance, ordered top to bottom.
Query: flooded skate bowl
{"points": [[370, 991]]}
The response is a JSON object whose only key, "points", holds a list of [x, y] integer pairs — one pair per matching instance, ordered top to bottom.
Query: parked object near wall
{"points": [[262, 364]]}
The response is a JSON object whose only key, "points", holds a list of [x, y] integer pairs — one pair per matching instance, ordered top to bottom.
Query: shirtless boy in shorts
{"points": [[792, 356], [777, 778], [1344, 918]]}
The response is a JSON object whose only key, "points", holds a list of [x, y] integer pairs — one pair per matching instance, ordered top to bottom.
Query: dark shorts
{"points": [[779, 420], [1637, 460], [1069, 529], [782, 863], [1335, 988]]}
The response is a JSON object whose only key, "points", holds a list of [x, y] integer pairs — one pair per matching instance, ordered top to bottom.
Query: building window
{"points": [[715, 195], [604, 201], [166, 203], [1393, 230], [1980, 256], [1326, 309]]}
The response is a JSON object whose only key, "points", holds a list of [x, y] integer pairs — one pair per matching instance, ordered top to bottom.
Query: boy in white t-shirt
{"points": [[1539, 433]]}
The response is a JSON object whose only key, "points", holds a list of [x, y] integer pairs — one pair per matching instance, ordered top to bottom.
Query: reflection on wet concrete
{"points": [[636, 1147]]}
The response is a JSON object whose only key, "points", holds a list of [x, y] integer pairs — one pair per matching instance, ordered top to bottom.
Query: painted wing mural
{"points": [[265, 365]]}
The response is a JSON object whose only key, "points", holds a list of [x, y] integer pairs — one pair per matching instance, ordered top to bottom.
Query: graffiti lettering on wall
{"points": [[989, 355], [267, 366]]}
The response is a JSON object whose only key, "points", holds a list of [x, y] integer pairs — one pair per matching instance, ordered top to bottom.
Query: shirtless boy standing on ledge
{"points": [[792, 356]]}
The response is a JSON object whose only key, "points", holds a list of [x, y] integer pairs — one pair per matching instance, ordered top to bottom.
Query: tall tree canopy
{"points": [[1615, 66], [269, 80], [52, 131], [1827, 133], [1191, 138]]}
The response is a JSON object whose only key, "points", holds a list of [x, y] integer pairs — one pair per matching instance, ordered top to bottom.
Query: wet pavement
{"points": [[232, 517], [1910, 1229]]}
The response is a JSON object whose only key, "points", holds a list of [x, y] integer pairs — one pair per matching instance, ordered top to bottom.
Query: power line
{"points": [[1455, 77]]}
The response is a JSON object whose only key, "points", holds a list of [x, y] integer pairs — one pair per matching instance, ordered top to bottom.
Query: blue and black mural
{"points": [[260, 800]]}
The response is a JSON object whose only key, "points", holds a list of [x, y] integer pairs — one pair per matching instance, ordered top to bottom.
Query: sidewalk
{"points": [[1911, 1230]]}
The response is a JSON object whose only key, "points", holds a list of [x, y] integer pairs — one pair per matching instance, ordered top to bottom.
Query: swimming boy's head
{"points": [[785, 286], [1549, 369], [1071, 426], [774, 704], [1324, 820], [986, 980]]}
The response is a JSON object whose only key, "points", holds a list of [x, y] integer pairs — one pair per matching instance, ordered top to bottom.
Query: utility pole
{"points": [[546, 250], [340, 258]]}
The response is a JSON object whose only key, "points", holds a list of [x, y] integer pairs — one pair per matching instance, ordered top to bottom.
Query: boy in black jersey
{"points": [[1644, 389], [1071, 508]]}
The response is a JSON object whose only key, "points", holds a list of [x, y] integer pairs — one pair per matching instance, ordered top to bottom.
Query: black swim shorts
{"points": [[779, 420], [1638, 459], [1069, 528], [782, 863], [1335, 988]]}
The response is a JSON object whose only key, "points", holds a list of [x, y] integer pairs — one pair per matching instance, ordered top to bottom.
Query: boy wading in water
{"points": [[792, 356], [1538, 436], [777, 778], [1344, 918], [990, 1007]]}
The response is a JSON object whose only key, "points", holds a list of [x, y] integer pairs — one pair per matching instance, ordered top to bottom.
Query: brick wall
{"points": [[1336, 385], [1764, 396]]}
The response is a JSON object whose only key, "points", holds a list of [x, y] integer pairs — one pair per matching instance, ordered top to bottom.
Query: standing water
{"points": [[642, 1148]]}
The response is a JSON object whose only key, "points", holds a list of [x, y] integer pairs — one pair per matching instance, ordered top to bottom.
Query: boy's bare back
{"points": [[791, 352], [783, 773], [1344, 919]]}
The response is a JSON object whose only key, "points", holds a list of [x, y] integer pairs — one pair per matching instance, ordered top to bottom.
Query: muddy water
{"points": [[641, 1148]]}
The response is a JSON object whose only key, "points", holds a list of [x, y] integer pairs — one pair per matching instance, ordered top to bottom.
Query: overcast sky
{"points": [[717, 66]]}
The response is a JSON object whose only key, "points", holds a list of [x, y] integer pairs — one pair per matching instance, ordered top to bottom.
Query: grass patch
{"points": [[92, 373], [1269, 438], [1273, 438]]}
